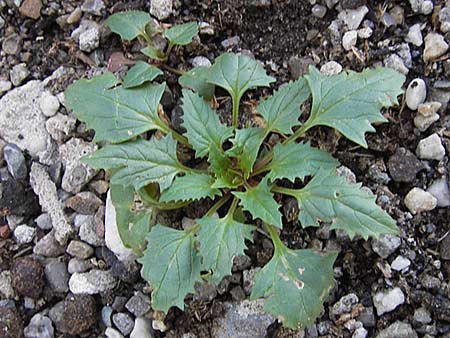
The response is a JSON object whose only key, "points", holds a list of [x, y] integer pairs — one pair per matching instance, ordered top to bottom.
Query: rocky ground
{"points": [[58, 276]]}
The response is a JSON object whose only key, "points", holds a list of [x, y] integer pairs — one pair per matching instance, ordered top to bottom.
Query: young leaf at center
{"points": [[181, 34], [138, 74], [191, 186]]}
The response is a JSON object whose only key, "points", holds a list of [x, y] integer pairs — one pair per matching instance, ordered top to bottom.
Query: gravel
{"points": [[435, 47], [416, 93], [48, 103], [431, 148], [15, 161], [440, 190], [418, 200], [24, 234], [386, 245], [79, 249], [57, 275], [92, 282], [388, 300], [139, 304], [123, 322], [39, 326], [142, 328], [398, 330]]}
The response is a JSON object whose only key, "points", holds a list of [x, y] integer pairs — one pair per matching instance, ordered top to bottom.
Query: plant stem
{"points": [[169, 49], [172, 70], [236, 111], [298, 133], [180, 138], [285, 191], [217, 206], [233, 206], [278, 244]]}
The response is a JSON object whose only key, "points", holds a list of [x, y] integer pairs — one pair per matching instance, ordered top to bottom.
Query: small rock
{"points": [[421, 6], [94, 7], [31, 8], [162, 9], [319, 11], [398, 13], [75, 16], [353, 17], [444, 18], [388, 20], [84, 26], [205, 28], [365, 33], [415, 35], [349, 39], [89, 40], [230, 42], [11, 44], [435, 46], [201, 61], [395, 62], [299, 66], [331, 68], [19, 73], [4, 86], [416, 93], [49, 104], [427, 115], [60, 127], [431, 148], [15, 161], [404, 166], [346, 173], [440, 190], [418, 200], [85, 203], [88, 230], [24, 234], [385, 245], [47, 246], [444, 248], [79, 249], [241, 262], [400, 263], [78, 265], [57, 276], [28, 277], [248, 279], [92, 282], [430, 282], [6, 288], [205, 292], [388, 300], [139, 304], [344, 305], [78, 314], [106, 315], [422, 316], [367, 317], [246, 319], [123, 322], [11, 325], [40, 326], [142, 328], [398, 330], [112, 333], [360, 333]]}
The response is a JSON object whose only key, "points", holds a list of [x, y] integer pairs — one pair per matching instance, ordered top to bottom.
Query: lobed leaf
{"points": [[129, 25], [181, 34], [153, 53], [140, 73], [238, 73], [197, 80], [350, 102], [282, 110], [116, 114], [202, 124], [297, 160], [139, 162], [220, 166], [191, 186], [329, 198], [260, 203], [221, 239], [171, 266], [295, 284]]}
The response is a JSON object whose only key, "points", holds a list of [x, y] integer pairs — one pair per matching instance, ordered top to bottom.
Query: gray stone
{"points": [[421, 6], [94, 7], [161, 9], [319, 11], [75, 16], [353, 17], [444, 18], [388, 20], [84, 26], [365, 32], [415, 35], [349, 39], [89, 40], [231, 42], [11, 44], [435, 47], [404, 52], [201, 61], [395, 62], [331, 68], [18, 74], [4, 86], [416, 93], [48, 103], [427, 115], [21, 120], [60, 127], [431, 148], [15, 161], [404, 166], [76, 174], [45, 189], [440, 190], [418, 200], [85, 203], [44, 221], [87, 230], [24, 234], [385, 245], [47, 246], [79, 249], [400, 263], [78, 265], [57, 276], [248, 279], [92, 282], [6, 288], [205, 292], [388, 300], [139, 304], [344, 305], [106, 315], [422, 316], [367, 317], [246, 319], [123, 322], [39, 326], [142, 328], [398, 330], [112, 333], [360, 333]]}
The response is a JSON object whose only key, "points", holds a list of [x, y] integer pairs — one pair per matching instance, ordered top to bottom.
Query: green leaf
{"points": [[129, 25], [182, 34], [153, 53], [141, 72], [238, 73], [197, 80], [350, 102], [282, 110], [116, 114], [202, 124], [246, 146], [297, 160], [139, 162], [220, 166], [191, 186], [329, 198], [260, 203], [132, 226], [221, 239], [171, 265], [295, 284]]}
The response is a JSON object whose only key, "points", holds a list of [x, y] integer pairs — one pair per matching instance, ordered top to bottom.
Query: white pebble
{"points": [[415, 35], [349, 39], [435, 46], [331, 68], [416, 93], [49, 104], [431, 148], [440, 189], [418, 200], [24, 234], [400, 263], [387, 301]]}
